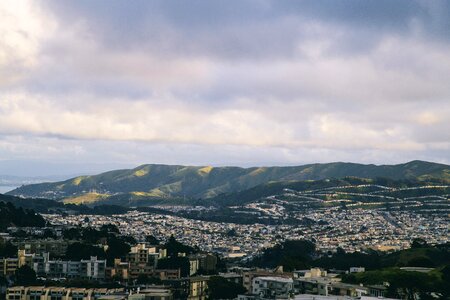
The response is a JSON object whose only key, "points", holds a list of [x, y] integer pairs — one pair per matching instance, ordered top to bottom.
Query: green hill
{"points": [[162, 182]]}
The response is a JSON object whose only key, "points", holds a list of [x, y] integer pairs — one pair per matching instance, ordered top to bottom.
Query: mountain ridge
{"points": [[161, 181]]}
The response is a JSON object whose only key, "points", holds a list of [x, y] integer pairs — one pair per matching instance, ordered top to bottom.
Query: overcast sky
{"points": [[104, 84]]}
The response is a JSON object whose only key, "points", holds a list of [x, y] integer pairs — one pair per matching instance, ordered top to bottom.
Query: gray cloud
{"points": [[203, 82]]}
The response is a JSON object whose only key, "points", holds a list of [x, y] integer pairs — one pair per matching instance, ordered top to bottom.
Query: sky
{"points": [[87, 86]]}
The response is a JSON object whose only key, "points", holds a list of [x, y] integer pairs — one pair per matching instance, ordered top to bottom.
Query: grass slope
{"points": [[178, 182]]}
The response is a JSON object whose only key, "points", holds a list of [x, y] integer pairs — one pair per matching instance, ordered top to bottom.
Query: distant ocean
{"points": [[6, 188]]}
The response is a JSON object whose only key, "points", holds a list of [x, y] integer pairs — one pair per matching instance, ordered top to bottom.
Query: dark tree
{"points": [[12, 216], [109, 228], [231, 232], [48, 233], [72, 234], [92, 235], [128, 239], [152, 240], [419, 243], [174, 247], [117, 248], [7, 249], [78, 251], [290, 254], [174, 263], [25, 276], [144, 279], [446, 280], [221, 288]]}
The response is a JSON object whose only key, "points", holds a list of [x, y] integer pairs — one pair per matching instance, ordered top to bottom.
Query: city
{"points": [[224, 150], [352, 230]]}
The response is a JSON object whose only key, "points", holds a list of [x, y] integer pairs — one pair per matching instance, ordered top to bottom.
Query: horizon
{"points": [[89, 86], [53, 177]]}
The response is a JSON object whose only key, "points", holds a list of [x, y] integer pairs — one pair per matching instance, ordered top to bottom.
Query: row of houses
{"points": [[142, 260], [92, 268], [279, 285], [194, 288], [62, 293]]}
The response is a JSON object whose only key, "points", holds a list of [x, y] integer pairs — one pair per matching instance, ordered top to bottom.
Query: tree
{"points": [[12, 216], [109, 228], [231, 232], [48, 233], [72, 234], [92, 235], [128, 239], [152, 240], [419, 243], [174, 247], [117, 248], [7, 249], [78, 251], [291, 254], [175, 262], [25, 276], [144, 279], [445, 280], [3, 281], [221, 288]]}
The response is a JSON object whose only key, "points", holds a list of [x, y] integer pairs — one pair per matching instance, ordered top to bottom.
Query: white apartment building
{"points": [[272, 287]]}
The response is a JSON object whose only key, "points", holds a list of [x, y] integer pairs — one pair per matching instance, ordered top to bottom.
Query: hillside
{"points": [[160, 182], [349, 190], [45, 206], [19, 217]]}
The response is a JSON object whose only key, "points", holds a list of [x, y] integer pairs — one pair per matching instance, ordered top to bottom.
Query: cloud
{"points": [[21, 29], [302, 82]]}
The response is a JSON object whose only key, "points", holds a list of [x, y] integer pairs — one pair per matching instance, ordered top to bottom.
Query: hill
{"points": [[157, 183], [349, 191], [45, 206], [19, 217]]}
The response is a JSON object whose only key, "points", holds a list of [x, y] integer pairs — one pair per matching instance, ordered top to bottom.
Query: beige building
{"points": [[54, 247], [8, 266], [120, 270], [248, 276], [198, 288], [60, 293], [154, 293]]}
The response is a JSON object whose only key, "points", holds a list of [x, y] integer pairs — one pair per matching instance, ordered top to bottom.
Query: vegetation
{"points": [[156, 183], [399, 189], [42, 205], [238, 216], [19, 217], [151, 240], [118, 246], [174, 248], [7, 249], [79, 251], [302, 254], [292, 255], [175, 256], [175, 262], [381, 267], [25, 276], [144, 279], [404, 283], [221, 288]]}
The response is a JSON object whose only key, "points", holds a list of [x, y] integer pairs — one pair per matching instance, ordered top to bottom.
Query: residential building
{"points": [[273, 287], [198, 288], [61, 293]]}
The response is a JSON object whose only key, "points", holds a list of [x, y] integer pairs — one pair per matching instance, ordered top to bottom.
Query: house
{"points": [[273, 287]]}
